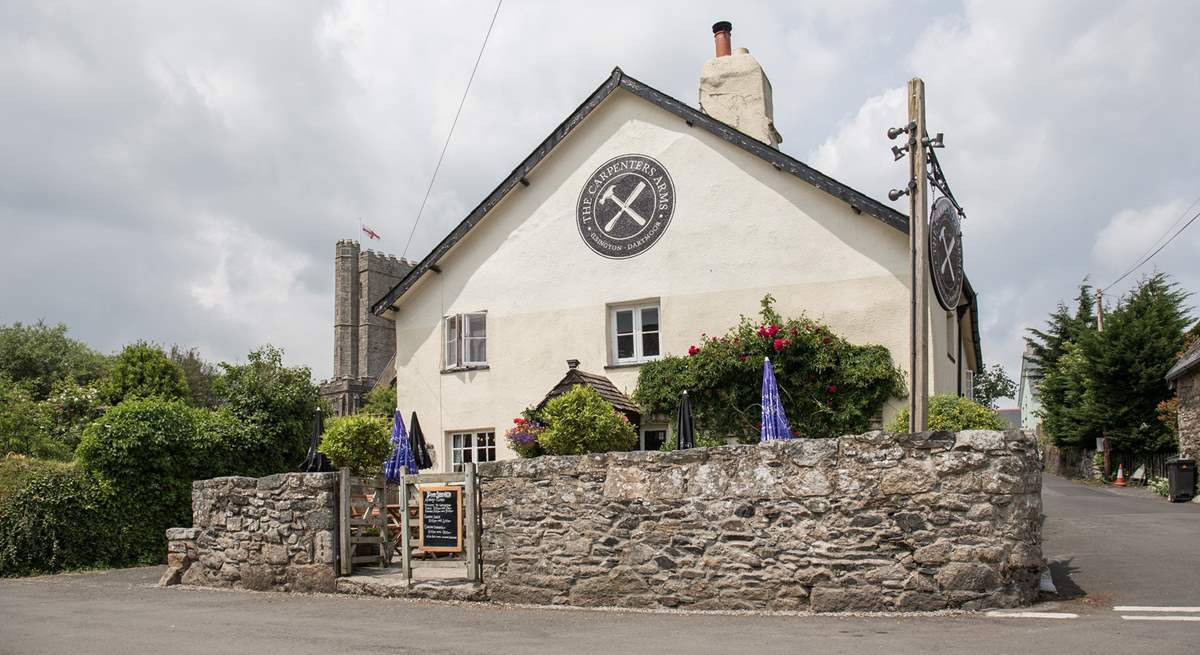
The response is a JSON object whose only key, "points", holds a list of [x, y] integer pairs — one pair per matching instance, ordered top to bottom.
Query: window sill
{"points": [[626, 365], [465, 369]]}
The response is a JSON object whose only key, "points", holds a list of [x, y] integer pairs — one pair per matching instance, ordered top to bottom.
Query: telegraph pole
{"points": [[918, 255], [1099, 310]]}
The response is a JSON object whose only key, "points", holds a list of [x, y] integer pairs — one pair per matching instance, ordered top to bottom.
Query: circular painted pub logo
{"points": [[625, 206]]}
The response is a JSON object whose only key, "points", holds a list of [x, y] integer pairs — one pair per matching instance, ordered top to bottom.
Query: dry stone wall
{"points": [[870, 522], [272, 533]]}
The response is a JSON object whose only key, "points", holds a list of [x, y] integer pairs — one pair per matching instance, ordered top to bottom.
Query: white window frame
{"points": [[637, 309], [455, 353], [666, 430], [473, 437]]}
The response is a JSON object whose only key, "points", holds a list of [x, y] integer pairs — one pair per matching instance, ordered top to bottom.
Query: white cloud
{"points": [[1132, 234]]}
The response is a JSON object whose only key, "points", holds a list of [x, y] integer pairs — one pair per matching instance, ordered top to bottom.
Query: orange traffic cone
{"points": [[1120, 481]]}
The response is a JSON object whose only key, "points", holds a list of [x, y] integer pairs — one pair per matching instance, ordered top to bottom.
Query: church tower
{"points": [[363, 344]]}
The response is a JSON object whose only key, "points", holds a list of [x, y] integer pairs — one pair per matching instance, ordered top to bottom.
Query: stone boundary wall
{"points": [[1068, 462], [870, 522], [272, 533]]}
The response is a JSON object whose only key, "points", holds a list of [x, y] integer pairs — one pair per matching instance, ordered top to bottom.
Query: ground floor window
{"points": [[652, 437], [467, 447]]}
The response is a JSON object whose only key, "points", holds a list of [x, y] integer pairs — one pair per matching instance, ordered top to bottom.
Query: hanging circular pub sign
{"points": [[625, 206], [945, 253]]}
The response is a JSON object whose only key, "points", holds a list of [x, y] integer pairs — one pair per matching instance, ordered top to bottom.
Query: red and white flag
{"points": [[371, 234]]}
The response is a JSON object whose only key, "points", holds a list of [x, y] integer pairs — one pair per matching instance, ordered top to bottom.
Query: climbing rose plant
{"points": [[828, 386]]}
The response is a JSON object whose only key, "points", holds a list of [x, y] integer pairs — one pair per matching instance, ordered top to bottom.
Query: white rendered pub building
{"points": [[637, 225]]}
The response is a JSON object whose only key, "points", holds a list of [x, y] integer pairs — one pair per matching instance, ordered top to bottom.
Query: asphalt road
{"points": [[1108, 549]]}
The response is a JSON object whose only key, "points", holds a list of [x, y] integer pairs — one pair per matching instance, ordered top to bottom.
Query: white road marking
{"points": [[1144, 608], [1033, 615], [1161, 618]]}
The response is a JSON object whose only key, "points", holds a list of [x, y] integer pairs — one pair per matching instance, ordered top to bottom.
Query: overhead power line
{"points": [[453, 123], [1147, 258]]}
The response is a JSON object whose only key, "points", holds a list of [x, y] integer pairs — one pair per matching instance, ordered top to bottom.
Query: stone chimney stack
{"points": [[735, 90]]}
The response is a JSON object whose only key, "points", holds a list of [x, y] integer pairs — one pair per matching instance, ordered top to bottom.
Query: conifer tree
{"points": [[1125, 365], [1058, 371]]}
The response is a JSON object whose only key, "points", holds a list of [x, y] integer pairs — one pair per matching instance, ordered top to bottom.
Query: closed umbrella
{"points": [[774, 421], [685, 429], [417, 440], [402, 454], [315, 461]]}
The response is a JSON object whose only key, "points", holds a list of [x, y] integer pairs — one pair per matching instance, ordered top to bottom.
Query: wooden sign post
{"points": [[918, 395]]}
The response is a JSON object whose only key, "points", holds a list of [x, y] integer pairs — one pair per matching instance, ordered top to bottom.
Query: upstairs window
{"points": [[635, 334], [465, 343]]}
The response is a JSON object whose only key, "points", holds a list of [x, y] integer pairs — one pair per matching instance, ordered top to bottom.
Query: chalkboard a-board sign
{"points": [[441, 519]]}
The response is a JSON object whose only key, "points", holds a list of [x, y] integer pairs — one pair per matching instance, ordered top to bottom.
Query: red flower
{"points": [[773, 330], [762, 331], [794, 332], [827, 340], [787, 342], [778, 345], [692, 350], [743, 357], [832, 388], [519, 421], [795, 433]]}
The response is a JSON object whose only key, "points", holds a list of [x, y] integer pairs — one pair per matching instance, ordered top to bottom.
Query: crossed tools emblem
{"points": [[624, 205], [949, 251]]}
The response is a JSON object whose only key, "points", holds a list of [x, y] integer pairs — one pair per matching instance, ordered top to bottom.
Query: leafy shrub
{"points": [[143, 370], [828, 385], [276, 403], [70, 407], [953, 413], [580, 421], [25, 423], [360, 443], [148, 452], [1159, 486], [56, 517]]}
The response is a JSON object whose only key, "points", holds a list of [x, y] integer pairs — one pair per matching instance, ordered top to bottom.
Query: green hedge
{"points": [[57, 516]]}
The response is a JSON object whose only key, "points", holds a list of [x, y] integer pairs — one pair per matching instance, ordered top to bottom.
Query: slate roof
{"points": [[858, 201], [1186, 364], [601, 384]]}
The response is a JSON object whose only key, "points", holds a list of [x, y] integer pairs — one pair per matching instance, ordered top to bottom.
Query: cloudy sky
{"points": [[180, 171]]}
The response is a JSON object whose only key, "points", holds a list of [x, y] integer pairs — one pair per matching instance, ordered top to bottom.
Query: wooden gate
{"points": [[363, 518], [430, 520], [440, 525]]}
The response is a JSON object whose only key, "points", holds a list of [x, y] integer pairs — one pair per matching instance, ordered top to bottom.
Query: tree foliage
{"points": [[39, 355], [1126, 364], [143, 370], [201, 376], [1111, 383], [992, 384], [828, 385], [380, 401], [276, 402], [953, 413], [580, 421], [24, 424]]}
